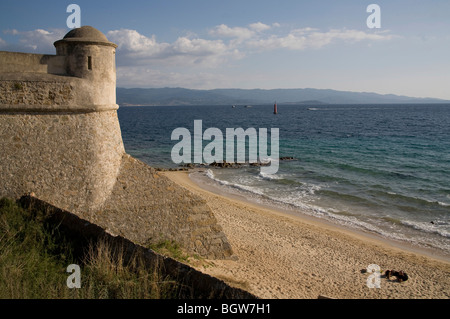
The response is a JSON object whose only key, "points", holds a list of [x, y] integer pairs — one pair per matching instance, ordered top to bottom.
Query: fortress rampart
{"points": [[60, 139]]}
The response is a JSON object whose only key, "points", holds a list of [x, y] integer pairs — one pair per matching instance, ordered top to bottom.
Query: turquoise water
{"points": [[381, 168]]}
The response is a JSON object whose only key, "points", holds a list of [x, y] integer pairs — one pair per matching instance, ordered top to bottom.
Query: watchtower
{"points": [[89, 55], [60, 134], [60, 139]]}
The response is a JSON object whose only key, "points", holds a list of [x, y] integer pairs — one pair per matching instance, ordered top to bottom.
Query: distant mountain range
{"points": [[180, 96]]}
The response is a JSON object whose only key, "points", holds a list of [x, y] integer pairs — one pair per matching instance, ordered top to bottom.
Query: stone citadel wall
{"points": [[60, 139]]}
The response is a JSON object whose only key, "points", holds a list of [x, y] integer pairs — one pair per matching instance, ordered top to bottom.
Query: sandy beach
{"points": [[280, 255]]}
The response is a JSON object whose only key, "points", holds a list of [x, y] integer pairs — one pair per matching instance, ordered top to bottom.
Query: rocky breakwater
{"points": [[226, 164]]}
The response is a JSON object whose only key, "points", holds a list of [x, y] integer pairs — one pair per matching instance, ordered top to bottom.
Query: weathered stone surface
{"points": [[31, 63], [36, 93], [60, 139], [69, 160], [147, 207]]}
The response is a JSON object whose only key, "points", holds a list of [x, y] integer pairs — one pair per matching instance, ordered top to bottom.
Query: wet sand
{"points": [[280, 255]]}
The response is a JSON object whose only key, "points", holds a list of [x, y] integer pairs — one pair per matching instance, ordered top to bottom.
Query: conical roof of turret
{"points": [[86, 34]]}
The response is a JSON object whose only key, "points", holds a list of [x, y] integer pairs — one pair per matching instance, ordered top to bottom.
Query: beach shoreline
{"points": [[201, 180], [281, 255]]}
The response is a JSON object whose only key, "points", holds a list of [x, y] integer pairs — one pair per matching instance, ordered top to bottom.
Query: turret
{"points": [[89, 55], [60, 140]]}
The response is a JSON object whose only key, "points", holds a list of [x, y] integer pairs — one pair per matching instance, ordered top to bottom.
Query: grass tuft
{"points": [[171, 249], [34, 256]]}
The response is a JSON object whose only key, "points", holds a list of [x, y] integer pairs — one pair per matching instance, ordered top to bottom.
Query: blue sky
{"points": [[255, 44]]}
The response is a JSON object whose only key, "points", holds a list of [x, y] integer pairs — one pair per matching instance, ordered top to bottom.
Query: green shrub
{"points": [[18, 86], [169, 248]]}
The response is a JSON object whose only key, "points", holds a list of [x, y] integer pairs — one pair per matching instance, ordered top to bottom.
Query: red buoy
{"points": [[275, 108]]}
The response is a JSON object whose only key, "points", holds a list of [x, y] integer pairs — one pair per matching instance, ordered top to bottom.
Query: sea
{"points": [[381, 169]]}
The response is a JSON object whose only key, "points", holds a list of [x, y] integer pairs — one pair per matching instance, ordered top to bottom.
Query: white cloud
{"points": [[259, 27], [235, 32], [241, 33], [257, 36], [311, 38], [38, 40], [132, 42], [196, 47], [184, 51], [191, 61]]}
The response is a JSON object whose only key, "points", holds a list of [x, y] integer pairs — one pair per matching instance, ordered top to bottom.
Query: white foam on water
{"points": [[210, 174], [269, 177], [254, 190], [298, 201], [444, 204], [437, 227]]}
